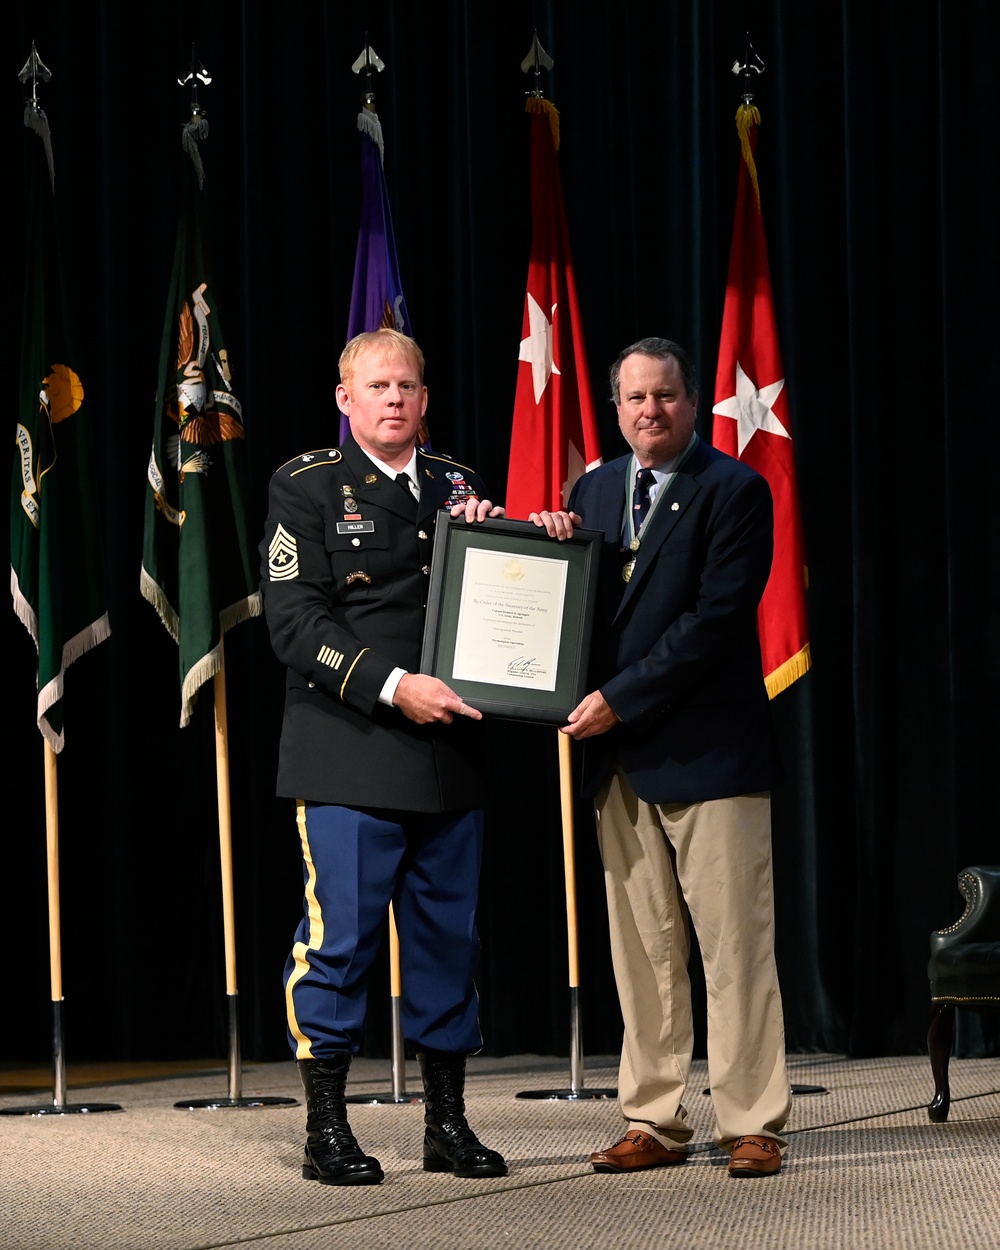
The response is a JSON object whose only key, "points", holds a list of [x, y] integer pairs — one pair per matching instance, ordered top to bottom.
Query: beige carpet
{"points": [[866, 1170]]}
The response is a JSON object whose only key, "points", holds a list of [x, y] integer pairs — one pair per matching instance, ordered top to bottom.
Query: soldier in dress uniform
{"points": [[383, 762]]}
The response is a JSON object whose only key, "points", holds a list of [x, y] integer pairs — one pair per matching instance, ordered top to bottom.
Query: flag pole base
{"points": [[800, 1090], [577, 1091], [398, 1096], [235, 1097], [219, 1104], [59, 1105], [63, 1108]]}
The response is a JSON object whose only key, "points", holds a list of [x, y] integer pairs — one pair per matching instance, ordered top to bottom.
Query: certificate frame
{"points": [[568, 570]]}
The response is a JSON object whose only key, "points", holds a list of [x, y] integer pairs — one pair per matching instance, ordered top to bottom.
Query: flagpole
{"points": [[377, 301], [532, 494], [226, 863], [55, 927], [572, 932], [577, 1090], [398, 1093], [235, 1097], [59, 1105]]}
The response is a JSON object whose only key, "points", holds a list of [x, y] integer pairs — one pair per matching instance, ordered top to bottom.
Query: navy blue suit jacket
{"points": [[675, 650]]}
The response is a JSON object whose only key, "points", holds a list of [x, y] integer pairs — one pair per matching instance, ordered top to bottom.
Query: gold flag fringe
{"points": [[538, 104], [748, 116], [788, 672]]}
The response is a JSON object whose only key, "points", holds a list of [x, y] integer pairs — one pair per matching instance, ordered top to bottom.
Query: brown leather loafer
{"points": [[634, 1151], [755, 1156]]}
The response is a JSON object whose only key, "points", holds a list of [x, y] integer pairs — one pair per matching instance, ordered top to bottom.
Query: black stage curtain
{"points": [[878, 172]]}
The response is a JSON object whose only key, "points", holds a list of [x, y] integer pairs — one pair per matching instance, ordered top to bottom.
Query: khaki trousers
{"points": [[708, 864]]}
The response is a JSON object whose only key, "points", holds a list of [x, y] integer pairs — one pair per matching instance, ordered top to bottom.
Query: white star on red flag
{"points": [[537, 347], [752, 408]]}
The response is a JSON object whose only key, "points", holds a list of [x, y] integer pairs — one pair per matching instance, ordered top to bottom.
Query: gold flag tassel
{"points": [[538, 104], [747, 117]]}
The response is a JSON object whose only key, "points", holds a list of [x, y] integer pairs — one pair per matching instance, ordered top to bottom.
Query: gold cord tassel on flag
{"points": [[538, 104], [747, 117]]}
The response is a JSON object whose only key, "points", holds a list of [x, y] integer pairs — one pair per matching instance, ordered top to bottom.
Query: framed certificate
{"points": [[510, 615]]}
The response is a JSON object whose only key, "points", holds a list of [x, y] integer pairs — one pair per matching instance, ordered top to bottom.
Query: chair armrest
{"points": [[980, 922]]}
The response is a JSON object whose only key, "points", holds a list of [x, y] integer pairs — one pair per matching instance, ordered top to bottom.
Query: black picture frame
{"points": [[453, 589]]}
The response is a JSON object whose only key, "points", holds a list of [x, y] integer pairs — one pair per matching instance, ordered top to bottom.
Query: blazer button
{"points": [[421, 534], [355, 542], [426, 570], [312, 685]]}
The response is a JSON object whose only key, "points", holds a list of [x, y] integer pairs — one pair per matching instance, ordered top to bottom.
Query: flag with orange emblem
{"points": [[199, 568], [57, 571]]}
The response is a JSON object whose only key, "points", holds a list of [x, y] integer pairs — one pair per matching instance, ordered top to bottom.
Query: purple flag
{"points": [[377, 295]]}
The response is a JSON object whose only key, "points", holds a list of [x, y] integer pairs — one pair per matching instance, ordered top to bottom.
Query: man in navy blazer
{"points": [[678, 757]]}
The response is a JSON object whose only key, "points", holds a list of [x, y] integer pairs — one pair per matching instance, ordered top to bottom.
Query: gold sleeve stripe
{"points": [[327, 655], [347, 676], [303, 1048]]}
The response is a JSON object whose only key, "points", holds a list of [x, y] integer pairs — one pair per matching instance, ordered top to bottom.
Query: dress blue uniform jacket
{"points": [[346, 561], [675, 649]]}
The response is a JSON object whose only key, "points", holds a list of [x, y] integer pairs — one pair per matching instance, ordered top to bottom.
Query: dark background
{"points": [[878, 171]]}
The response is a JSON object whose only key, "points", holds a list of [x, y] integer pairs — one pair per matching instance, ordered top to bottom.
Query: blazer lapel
{"points": [[661, 525]]}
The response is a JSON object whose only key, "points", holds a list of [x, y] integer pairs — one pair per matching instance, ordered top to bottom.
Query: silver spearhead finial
{"points": [[537, 60], [753, 64]]}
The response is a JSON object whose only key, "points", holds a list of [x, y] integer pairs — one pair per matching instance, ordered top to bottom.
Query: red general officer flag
{"points": [[752, 420], [554, 437]]}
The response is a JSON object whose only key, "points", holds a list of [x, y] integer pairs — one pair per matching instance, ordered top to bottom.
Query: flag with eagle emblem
{"points": [[198, 566]]}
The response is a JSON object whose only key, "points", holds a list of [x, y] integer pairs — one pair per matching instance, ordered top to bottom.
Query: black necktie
{"points": [[406, 482], [640, 498]]}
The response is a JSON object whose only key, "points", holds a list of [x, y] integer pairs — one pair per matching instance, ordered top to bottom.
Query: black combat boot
{"points": [[449, 1144], [333, 1156]]}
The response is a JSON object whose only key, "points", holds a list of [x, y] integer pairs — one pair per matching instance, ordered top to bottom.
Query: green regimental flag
{"points": [[56, 559], [198, 568]]}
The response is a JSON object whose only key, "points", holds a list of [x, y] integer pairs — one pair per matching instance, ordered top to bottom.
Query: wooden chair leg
{"points": [[940, 1037]]}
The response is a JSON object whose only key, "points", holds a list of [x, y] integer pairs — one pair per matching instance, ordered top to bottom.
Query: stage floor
{"points": [[865, 1169]]}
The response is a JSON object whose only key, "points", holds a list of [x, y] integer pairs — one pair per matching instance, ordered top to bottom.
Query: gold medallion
{"points": [[634, 544], [627, 570]]}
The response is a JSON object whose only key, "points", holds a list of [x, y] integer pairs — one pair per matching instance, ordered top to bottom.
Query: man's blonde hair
{"points": [[390, 343]]}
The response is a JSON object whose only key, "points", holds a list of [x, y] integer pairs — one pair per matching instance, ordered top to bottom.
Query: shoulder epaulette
{"points": [[440, 455], [310, 460]]}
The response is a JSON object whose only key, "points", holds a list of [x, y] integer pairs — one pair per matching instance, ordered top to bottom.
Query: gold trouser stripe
{"points": [[347, 675], [303, 1049]]}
